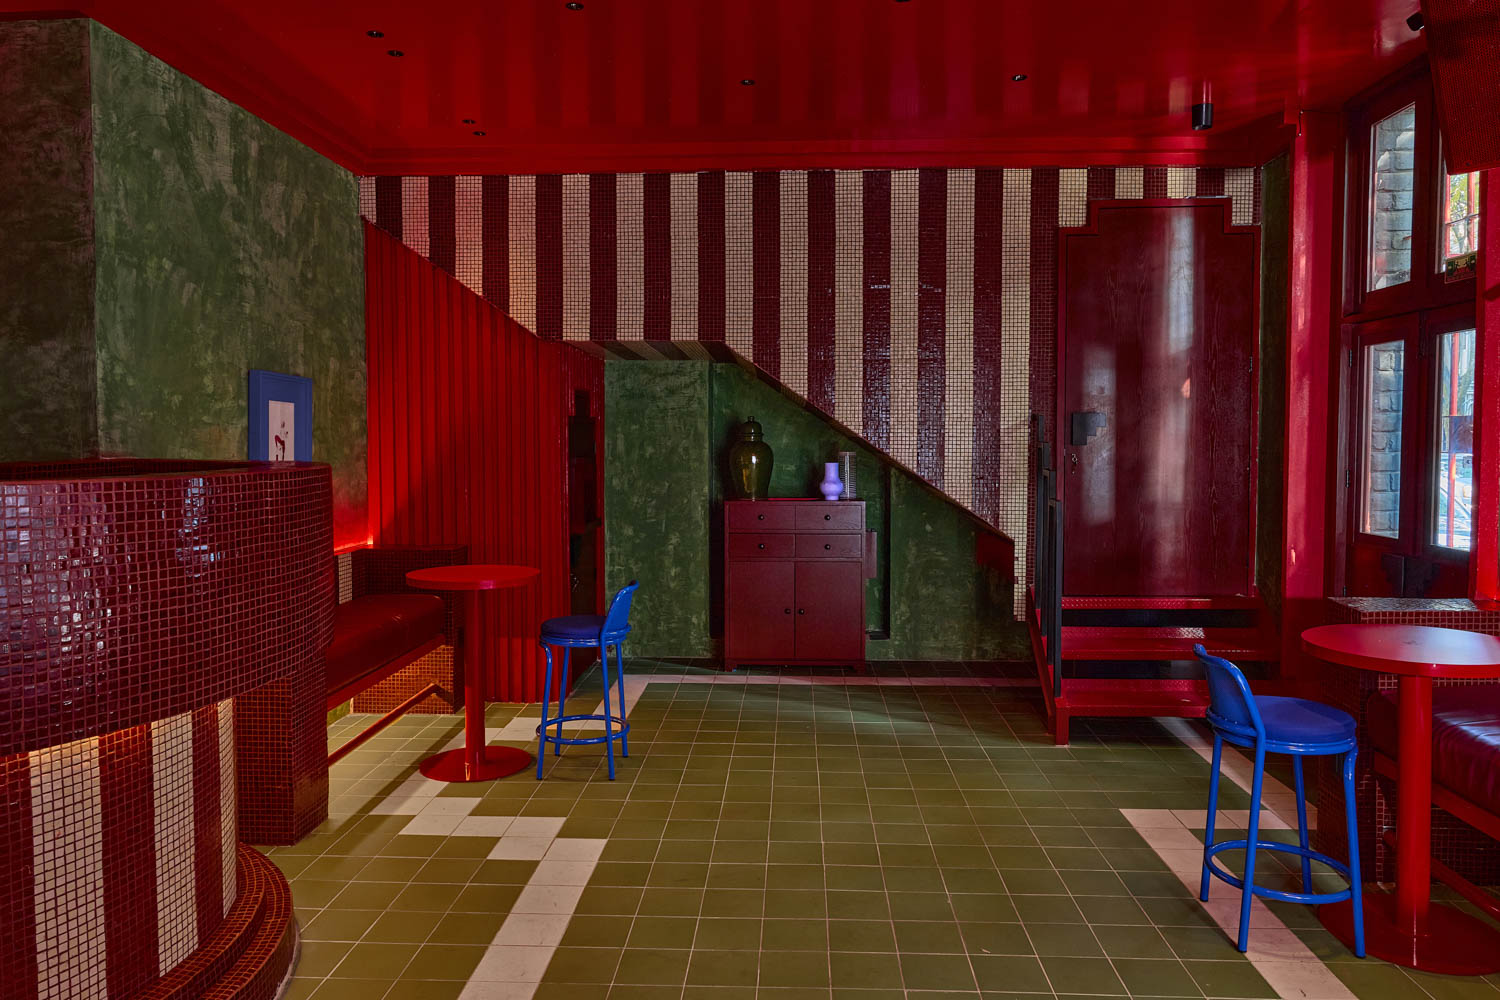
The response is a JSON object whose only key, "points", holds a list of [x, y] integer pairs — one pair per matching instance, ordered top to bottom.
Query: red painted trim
{"points": [[932, 277], [877, 308], [1484, 566], [128, 825]]}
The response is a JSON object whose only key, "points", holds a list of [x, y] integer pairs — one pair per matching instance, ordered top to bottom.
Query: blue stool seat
{"points": [[575, 629], [594, 632], [1297, 728]]}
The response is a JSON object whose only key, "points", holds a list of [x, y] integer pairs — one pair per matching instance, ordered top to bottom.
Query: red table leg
{"points": [[475, 761], [1407, 928]]}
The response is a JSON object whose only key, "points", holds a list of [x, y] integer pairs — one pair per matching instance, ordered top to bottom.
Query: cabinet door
{"points": [[759, 610], [830, 611]]}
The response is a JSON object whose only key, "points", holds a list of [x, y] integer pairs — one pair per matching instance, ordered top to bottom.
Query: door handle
{"points": [[1083, 425]]}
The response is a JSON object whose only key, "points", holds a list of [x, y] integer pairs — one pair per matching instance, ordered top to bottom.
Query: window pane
{"points": [[1392, 143], [1460, 219], [1453, 469], [1380, 504]]}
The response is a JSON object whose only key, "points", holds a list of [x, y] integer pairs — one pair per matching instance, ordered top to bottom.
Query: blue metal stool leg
{"points": [[620, 679], [562, 695], [609, 740], [541, 745], [1213, 811], [1302, 822], [1356, 889], [1247, 895]]}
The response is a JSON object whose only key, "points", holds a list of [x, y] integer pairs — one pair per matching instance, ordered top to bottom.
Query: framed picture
{"points": [[280, 417]]}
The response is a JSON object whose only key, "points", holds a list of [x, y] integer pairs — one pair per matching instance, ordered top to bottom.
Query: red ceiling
{"points": [[654, 84]]}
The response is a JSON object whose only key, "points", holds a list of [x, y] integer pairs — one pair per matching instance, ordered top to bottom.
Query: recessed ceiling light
{"points": [[574, 5], [375, 34], [395, 53], [1018, 77], [747, 82], [470, 121], [479, 131]]}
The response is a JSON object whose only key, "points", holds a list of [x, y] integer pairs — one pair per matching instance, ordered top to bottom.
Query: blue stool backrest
{"points": [[618, 617], [1231, 705]]}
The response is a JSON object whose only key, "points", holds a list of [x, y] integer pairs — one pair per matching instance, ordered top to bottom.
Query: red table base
{"points": [[494, 762], [1455, 944]]}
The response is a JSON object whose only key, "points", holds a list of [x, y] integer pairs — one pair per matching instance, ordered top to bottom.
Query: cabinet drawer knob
{"points": [[828, 517], [761, 545], [827, 548], [787, 611], [801, 611]]}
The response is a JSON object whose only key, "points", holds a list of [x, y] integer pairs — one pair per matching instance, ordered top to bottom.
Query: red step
{"points": [[1232, 603], [1124, 642], [1095, 696]]}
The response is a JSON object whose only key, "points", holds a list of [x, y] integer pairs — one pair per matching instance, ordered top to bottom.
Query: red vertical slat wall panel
{"points": [[467, 420]]}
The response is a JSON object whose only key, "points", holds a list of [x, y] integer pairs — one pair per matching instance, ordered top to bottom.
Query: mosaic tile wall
{"points": [[917, 308], [117, 856]]}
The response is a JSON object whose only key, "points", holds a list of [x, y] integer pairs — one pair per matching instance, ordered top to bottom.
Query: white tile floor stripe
{"points": [[518, 956]]}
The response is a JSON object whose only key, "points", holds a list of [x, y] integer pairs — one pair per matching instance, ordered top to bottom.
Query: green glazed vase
{"points": [[750, 461]]}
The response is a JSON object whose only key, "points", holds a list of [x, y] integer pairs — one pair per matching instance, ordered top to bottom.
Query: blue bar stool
{"points": [[587, 632], [1298, 728]]}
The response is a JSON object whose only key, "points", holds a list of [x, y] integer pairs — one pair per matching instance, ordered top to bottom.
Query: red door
{"points": [[1158, 408], [762, 593], [829, 624]]}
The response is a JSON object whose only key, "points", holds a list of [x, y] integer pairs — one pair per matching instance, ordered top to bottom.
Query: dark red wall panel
{"points": [[467, 429]]}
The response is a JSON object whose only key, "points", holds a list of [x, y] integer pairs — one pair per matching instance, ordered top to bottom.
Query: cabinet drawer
{"points": [[747, 515], [830, 515], [760, 545], [848, 546]]}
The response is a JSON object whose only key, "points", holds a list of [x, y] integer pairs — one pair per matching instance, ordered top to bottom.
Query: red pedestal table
{"points": [[475, 760], [1407, 928]]}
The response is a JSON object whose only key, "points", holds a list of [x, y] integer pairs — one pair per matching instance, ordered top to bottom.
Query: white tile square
{"points": [[399, 805], [449, 806], [1143, 819], [431, 825], [482, 826], [536, 826], [1171, 838], [520, 848], [576, 849], [562, 873], [548, 899], [533, 929], [509, 963], [1304, 980], [476, 990]]}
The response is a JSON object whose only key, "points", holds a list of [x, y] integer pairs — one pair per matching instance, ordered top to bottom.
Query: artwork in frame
{"points": [[280, 417]]}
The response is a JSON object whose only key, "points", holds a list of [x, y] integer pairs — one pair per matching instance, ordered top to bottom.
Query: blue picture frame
{"points": [[267, 387]]}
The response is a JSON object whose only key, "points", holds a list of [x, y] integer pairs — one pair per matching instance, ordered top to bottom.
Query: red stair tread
{"points": [[1233, 603], [1122, 642], [1100, 696]]}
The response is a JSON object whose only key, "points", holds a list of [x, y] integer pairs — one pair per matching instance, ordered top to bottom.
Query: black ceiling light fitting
{"points": [[574, 5], [1415, 22], [375, 34], [394, 53], [1017, 77], [747, 82], [1203, 116], [470, 121], [479, 131]]}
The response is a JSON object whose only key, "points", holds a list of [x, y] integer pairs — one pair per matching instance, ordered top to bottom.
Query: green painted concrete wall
{"points": [[224, 245], [1275, 260], [47, 391], [668, 426], [656, 502]]}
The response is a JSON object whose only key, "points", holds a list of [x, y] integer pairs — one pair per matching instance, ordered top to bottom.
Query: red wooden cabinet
{"points": [[794, 586]]}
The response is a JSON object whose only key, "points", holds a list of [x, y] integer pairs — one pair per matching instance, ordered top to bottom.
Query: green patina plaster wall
{"points": [[225, 245], [1275, 259], [47, 391], [668, 426], [656, 502]]}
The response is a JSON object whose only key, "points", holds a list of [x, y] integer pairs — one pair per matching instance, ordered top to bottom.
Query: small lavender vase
{"points": [[830, 487]]}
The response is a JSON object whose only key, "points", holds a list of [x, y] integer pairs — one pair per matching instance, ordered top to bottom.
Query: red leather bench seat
{"points": [[370, 631], [1465, 739]]}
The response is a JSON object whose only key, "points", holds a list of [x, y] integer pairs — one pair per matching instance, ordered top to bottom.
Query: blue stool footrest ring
{"points": [[621, 729], [1277, 894]]}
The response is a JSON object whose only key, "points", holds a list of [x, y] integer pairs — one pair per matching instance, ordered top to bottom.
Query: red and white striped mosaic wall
{"points": [[915, 307], [132, 856]]}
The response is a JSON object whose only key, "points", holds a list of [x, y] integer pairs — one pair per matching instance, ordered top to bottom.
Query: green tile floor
{"points": [[784, 841]]}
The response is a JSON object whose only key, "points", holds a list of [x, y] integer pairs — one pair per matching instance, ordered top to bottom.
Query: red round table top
{"points": [[476, 577], [1413, 650]]}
